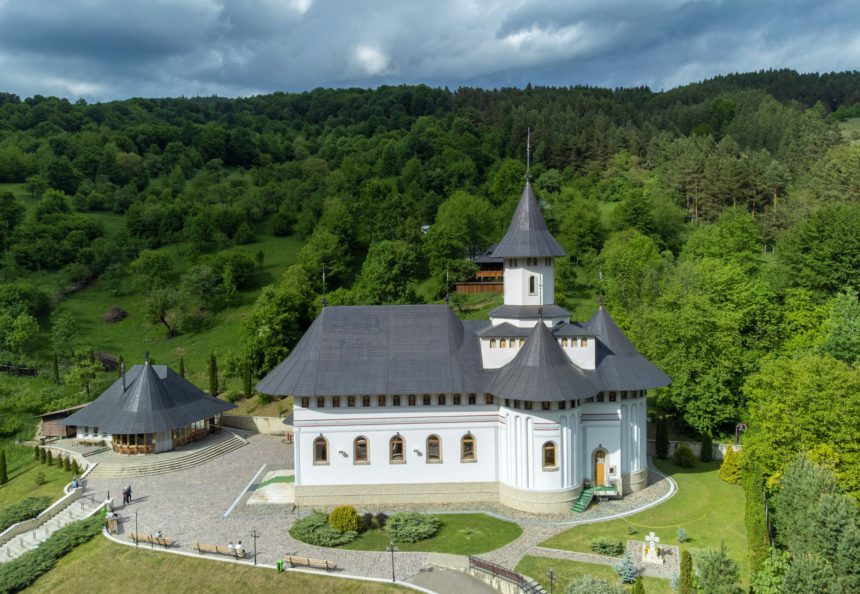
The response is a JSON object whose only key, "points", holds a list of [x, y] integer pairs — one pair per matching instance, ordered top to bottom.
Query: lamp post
{"points": [[254, 535], [391, 548], [551, 575]]}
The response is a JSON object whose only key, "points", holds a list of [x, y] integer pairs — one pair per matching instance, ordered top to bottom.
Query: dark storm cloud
{"points": [[103, 49]]}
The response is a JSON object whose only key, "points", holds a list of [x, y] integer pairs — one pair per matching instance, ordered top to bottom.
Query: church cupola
{"points": [[528, 250]]}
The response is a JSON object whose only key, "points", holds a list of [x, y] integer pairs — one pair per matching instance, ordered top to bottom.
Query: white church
{"points": [[408, 404]]}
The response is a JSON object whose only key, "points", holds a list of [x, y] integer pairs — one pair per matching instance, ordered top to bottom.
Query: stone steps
{"points": [[153, 465], [77, 510]]}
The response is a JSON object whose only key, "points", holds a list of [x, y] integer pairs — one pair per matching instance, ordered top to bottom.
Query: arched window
{"points": [[532, 285], [522, 341], [564, 342], [583, 342], [492, 343], [503, 343], [365, 401], [306, 402], [468, 448], [434, 449], [320, 450], [359, 450], [396, 450], [550, 456]]}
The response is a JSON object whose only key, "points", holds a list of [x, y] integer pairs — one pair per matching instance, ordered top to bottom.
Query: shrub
{"points": [[662, 439], [36, 450], [707, 453], [42, 455], [684, 456], [49, 458], [67, 463], [75, 468], [730, 469], [4, 477], [40, 478], [23, 510], [344, 519], [381, 519], [367, 521], [411, 526], [315, 529], [631, 530], [682, 535], [607, 546], [626, 570], [21, 572], [685, 579], [588, 584], [638, 586]]}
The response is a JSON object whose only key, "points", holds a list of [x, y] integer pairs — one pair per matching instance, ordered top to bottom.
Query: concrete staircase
{"points": [[161, 463], [76, 510]]}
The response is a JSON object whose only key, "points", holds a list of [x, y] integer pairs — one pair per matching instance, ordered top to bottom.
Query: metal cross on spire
{"points": [[528, 153], [323, 287], [600, 288]]}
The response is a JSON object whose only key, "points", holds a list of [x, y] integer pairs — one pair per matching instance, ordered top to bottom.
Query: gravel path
{"points": [[192, 506], [646, 569]]}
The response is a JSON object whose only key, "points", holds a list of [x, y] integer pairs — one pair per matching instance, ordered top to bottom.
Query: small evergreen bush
{"points": [[36, 450], [707, 453], [42, 455], [684, 456], [49, 458], [67, 463], [75, 468], [730, 469], [4, 477], [40, 479], [23, 510], [344, 519], [381, 519], [367, 521], [411, 526], [315, 529], [682, 535], [607, 546], [626, 570], [19, 573], [685, 579], [588, 584], [638, 586]]}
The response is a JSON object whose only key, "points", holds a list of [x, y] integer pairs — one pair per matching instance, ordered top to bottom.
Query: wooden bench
{"points": [[150, 539], [216, 550], [314, 563]]}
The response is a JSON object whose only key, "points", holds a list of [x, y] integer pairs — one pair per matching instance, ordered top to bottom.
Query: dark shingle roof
{"points": [[527, 235], [529, 311], [571, 329], [504, 330], [387, 349], [619, 365], [541, 371], [155, 399]]}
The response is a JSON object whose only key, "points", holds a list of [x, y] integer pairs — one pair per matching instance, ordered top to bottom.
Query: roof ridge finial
{"points": [[528, 154], [600, 288], [324, 302], [146, 356]]}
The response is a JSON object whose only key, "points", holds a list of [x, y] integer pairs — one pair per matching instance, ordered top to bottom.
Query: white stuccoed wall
{"points": [[517, 283]]}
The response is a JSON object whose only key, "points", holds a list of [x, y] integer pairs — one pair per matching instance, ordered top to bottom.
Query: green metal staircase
{"points": [[585, 498]]}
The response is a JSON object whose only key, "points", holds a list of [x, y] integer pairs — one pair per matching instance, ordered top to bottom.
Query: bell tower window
{"points": [[532, 290]]}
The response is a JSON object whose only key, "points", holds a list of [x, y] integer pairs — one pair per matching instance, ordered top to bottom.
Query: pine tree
{"points": [[182, 366], [56, 368], [213, 375], [247, 378], [662, 439], [36, 452], [706, 455], [42, 456], [49, 458], [67, 463], [730, 469], [4, 478], [626, 570], [685, 580], [638, 586]]}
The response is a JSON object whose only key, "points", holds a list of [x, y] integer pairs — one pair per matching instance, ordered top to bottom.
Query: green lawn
{"points": [[22, 470], [710, 510], [460, 534], [101, 566], [566, 571]]}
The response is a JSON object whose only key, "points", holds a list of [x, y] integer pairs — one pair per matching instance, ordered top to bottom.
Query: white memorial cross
{"points": [[653, 540]]}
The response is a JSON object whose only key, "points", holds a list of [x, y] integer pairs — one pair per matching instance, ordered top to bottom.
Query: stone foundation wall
{"points": [[262, 425], [636, 481], [396, 494], [538, 502]]}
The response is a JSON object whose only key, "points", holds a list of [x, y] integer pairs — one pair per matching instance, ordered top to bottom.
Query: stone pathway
{"points": [[647, 570]]}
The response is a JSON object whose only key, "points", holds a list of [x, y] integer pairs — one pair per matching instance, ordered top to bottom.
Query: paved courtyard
{"points": [[207, 504]]}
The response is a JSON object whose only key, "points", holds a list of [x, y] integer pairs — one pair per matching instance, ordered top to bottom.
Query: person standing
{"points": [[128, 490]]}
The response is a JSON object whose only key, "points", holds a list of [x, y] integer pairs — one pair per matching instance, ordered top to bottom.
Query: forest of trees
{"points": [[723, 215]]}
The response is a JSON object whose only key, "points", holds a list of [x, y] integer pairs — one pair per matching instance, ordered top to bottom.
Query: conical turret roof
{"points": [[528, 235], [619, 365], [541, 371], [155, 399]]}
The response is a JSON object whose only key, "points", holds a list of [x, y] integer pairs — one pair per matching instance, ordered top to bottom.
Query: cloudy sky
{"points": [[110, 49]]}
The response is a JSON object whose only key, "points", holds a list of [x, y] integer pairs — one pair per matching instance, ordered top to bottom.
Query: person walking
{"points": [[128, 489], [124, 496]]}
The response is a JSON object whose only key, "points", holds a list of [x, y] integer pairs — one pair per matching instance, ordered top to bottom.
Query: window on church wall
{"points": [[547, 261], [532, 289], [522, 342], [564, 342], [583, 342], [492, 343], [503, 343], [623, 395], [600, 397], [612, 397], [440, 399], [456, 399], [472, 399], [488, 399], [590, 399], [380, 400], [412, 400], [425, 400], [335, 401], [350, 401], [365, 401], [396, 401], [306, 402], [320, 402], [516, 403], [528, 405], [545, 405], [562, 405], [468, 448], [434, 449], [320, 450], [359, 450], [397, 450], [550, 456]]}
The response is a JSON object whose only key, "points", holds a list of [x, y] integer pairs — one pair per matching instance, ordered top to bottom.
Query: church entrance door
{"points": [[599, 465]]}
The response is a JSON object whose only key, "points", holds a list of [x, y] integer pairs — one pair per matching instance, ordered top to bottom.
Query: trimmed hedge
{"points": [[684, 456], [23, 510], [345, 519], [411, 526], [315, 529], [607, 546], [21, 572]]}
